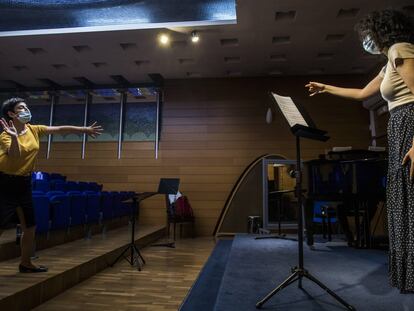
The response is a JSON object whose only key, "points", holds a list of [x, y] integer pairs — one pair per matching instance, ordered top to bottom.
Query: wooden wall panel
{"points": [[211, 130]]}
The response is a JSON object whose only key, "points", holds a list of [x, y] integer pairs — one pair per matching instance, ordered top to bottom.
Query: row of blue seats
{"points": [[47, 176], [43, 181], [61, 185], [56, 210]]}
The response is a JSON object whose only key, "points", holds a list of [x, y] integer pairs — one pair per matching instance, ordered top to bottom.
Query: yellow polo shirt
{"points": [[29, 147]]}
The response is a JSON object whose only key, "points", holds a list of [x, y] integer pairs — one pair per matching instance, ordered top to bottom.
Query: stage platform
{"points": [[9, 249], [69, 264], [254, 267]]}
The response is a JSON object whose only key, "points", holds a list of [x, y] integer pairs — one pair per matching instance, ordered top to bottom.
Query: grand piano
{"points": [[355, 180]]}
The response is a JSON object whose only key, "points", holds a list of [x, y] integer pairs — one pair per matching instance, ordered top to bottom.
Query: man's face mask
{"points": [[370, 46], [24, 116]]}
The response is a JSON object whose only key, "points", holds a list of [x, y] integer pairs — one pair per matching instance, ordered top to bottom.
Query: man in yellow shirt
{"points": [[19, 145]]}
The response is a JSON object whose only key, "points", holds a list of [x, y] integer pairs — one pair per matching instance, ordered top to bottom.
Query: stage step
{"points": [[9, 249], [69, 264]]}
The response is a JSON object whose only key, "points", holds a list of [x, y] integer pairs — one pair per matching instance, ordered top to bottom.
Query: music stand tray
{"points": [[301, 126], [168, 185]]}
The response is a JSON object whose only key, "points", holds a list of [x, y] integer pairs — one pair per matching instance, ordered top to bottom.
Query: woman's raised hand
{"points": [[315, 88], [9, 128], [94, 130]]}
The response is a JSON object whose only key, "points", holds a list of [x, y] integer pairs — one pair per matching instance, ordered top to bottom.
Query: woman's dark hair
{"points": [[386, 28], [9, 105]]}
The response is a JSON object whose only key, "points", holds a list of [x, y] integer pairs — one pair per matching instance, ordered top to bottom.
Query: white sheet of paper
{"points": [[289, 110]]}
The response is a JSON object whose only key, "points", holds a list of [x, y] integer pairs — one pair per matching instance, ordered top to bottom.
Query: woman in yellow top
{"points": [[391, 33], [19, 145]]}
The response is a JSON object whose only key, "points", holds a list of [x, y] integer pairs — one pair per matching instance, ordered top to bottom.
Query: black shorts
{"points": [[15, 191]]}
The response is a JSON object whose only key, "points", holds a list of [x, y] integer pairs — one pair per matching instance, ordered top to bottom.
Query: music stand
{"points": [[300, 127], [168, 186], [135, 254]]}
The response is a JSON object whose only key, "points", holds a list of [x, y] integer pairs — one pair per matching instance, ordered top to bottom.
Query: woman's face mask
{"points": [[370, 46], [24, 116]]}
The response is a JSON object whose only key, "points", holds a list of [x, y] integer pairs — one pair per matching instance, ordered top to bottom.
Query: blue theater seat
{"points": [[57, 176], [41, 185], [58, 185], [72, 186], [83, 186], [93, 186], [37, 192], [54, 192], [117, 204], [107, 205], [93, 206], [77, 208], [41, 209], [60, 210], [324, 213], [320, 214]]}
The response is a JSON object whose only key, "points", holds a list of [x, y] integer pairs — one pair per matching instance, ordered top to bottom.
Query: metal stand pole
{"points": [[300, 272]]}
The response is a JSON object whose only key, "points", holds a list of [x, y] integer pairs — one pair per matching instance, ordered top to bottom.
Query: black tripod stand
{"points": [[168, 186], [135, 255], [299, 272]]}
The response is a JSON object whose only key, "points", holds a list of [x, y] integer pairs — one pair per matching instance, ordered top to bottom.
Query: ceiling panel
{"points": [[271, 37]]}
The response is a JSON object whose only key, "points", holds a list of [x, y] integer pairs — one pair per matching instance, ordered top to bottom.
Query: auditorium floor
{"points": [[161, 285]]}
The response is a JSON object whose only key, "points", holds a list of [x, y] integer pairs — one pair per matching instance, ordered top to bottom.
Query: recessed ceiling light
{"points": [[347, 13], [284, 16], [195, 37], [335, 37], [164, 39], [281, 39], [229, 42], [128, 46], [36, 51], [325, 55], [278, 57], [232, 59], [185, 61], [142, 62], [20, 67], [275, 72], [193, 74]]}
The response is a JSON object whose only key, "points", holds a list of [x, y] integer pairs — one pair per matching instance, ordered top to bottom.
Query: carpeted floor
{"points": [[255, 267], [359, 276], [203, 294]]}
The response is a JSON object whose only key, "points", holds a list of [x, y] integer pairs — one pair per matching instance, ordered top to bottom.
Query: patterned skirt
{"points": [[400, 198]]}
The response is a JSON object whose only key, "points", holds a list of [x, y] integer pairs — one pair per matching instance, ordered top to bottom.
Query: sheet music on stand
{"points": [[289, 110], [299, 121]]}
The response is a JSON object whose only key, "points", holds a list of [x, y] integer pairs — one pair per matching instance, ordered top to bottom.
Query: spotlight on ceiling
{"points": [[195, 37], [164, 39]]}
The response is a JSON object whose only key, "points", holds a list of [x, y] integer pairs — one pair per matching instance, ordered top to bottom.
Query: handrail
{"points": [[237, 186]]}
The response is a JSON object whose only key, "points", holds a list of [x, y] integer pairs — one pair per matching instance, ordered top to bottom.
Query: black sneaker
{"points": [[38, 269]]}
